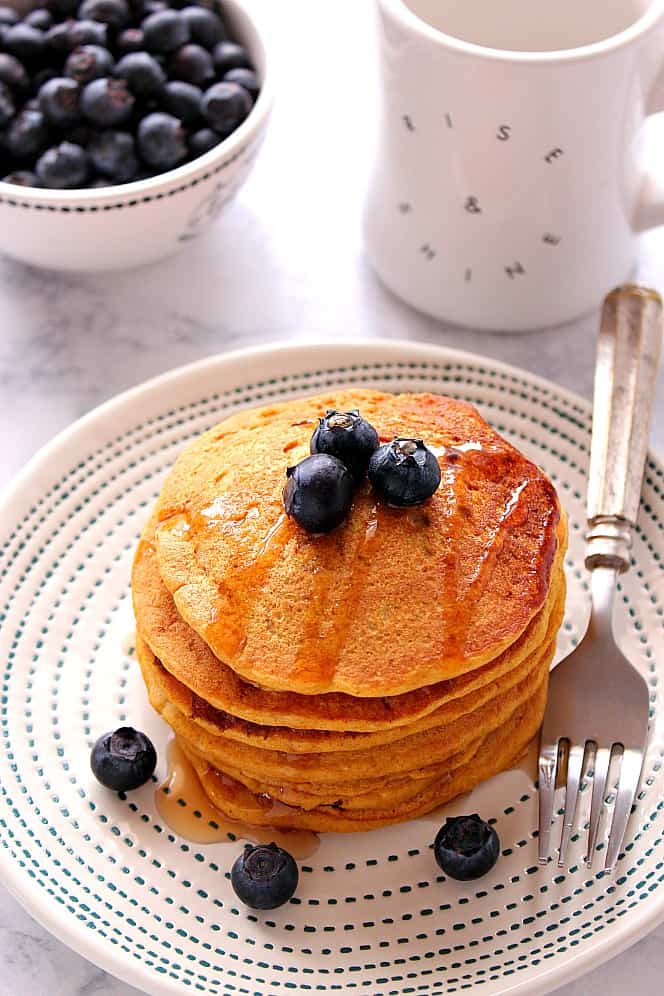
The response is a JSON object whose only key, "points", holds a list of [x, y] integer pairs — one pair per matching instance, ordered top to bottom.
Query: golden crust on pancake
{"points": [[392, 600], [165, 687], [216, 689], [433, 746], [498, 751]]}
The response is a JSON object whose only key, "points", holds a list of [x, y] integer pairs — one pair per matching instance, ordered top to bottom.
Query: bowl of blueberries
{"points": [[125, 125]]}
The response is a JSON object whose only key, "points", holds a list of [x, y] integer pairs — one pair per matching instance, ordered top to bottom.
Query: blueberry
{"points": [[148, 7], [115, 13], [8, 16], [41, 19], [205, 27], [165, 31], [87, 33], [57, 37], [130, 40], [26, 43], [228, 55], [89, 62], [192, 64], [13, 73], [143, 74], [246, 78], [59, 99], [183, 100], [107, 101], [225, 106], [7, 107], [27, 135], [161, 140], [202, 141], [113, 154], [63, 166], [22, 178], [347, 436], [404, 472], [318, 493], [123, 760], [466, 847], [264, 876]]}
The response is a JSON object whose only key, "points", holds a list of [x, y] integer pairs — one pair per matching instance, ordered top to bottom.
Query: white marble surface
{"points": [[284, 262]]}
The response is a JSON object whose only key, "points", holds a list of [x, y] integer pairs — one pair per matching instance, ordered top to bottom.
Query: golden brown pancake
{"points": [[393, 599], [165, 688], [217, 690], [496, 753], [410, 754]]}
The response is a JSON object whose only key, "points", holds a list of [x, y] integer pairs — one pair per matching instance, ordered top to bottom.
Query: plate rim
{"points": [[37, 906]]}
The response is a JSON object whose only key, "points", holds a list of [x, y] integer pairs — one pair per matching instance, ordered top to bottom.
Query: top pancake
{"points": [[393, 599]]}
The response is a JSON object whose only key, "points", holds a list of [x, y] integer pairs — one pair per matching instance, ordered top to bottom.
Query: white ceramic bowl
{"points": [[134, 223]]}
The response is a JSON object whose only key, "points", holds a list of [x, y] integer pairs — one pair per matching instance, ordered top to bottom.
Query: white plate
{"points": [[103, 873]]}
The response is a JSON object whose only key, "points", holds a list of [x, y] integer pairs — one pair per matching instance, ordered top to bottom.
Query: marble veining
{"points": [[284, 261]]}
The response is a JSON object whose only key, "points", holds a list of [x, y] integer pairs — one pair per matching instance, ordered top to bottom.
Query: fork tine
{"points": [[548, 763], [601, 768], [574, 769], [630, 773]]}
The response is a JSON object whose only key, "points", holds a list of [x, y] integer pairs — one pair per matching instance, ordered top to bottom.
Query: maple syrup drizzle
{"points": [[183, 805]]}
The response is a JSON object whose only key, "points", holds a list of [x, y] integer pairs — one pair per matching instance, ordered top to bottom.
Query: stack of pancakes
{"points": [[351, 680]]}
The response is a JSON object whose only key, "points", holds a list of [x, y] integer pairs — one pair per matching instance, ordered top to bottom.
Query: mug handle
{"points": [[650, 206]]}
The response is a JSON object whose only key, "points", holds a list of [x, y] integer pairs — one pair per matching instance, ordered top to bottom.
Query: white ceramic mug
{"points": [[509, 187]]}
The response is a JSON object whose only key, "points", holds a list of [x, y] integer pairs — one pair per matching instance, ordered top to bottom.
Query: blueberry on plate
{"points": [[115, 13], [41, 19], [205, 27], [165, 31], [84, 33], [26, 43], [229, 55], [89, 62], [193, 64], [12, 72], [143, 74], [246, 78], [59, 100], [183, 100], [107, 101], [225, 106], [7, 108], [27, 135], [161, 140], [202, 141], [113, 154], [64, 166], [22, 178], [347, 436], [404, 472], [318, 493], [123, 760], [466, 847], [264, 876]]}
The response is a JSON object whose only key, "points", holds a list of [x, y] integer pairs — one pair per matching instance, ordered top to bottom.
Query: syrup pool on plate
{"points": [[185, 808]]}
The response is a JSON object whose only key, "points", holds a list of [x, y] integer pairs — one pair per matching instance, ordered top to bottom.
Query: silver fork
{"points": [[597, 713]]}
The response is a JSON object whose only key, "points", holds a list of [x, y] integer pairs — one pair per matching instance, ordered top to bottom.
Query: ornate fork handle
{"points": [[627, 360]]}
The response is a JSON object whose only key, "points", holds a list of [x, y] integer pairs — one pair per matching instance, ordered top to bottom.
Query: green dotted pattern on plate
{"points": [[371, 913]]}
